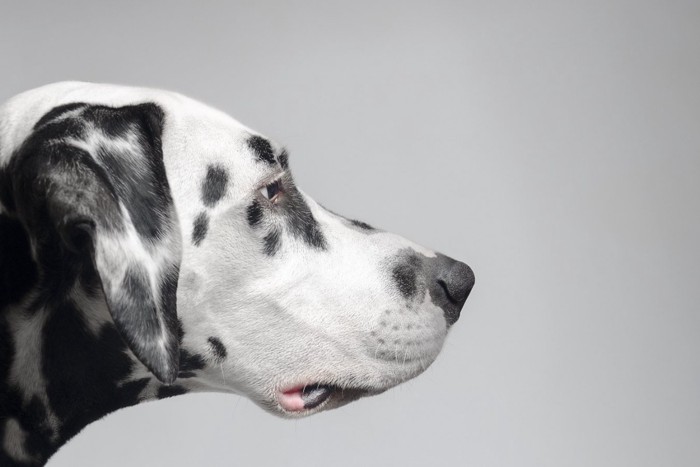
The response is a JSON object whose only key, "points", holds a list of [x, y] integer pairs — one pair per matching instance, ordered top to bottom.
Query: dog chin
{"points": [[301, 399], [310, 399]]}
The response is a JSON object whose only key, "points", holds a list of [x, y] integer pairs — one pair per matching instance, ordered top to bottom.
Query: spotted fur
{"points": [[141, 259]]}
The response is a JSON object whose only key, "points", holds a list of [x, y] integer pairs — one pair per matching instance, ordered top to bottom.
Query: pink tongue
{"points": [[291, 400]]}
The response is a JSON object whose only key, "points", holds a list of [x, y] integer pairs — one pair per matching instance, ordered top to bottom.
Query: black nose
{"points": [[454, 281]]}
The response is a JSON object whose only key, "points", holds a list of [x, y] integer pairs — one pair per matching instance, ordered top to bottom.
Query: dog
{"points": [[152, 246]]}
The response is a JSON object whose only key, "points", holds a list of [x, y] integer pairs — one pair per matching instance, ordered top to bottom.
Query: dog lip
{"points": [[305, 397], [302, 398]]}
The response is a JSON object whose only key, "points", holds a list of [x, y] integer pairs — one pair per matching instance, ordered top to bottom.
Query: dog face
{"points": [[193, 221], [313, 309]]}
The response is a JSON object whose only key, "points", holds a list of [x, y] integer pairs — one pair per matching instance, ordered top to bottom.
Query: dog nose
{"points": [[456, 280]]}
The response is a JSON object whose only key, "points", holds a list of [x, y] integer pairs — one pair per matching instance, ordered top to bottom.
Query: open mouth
{"points": [[311, 396]]}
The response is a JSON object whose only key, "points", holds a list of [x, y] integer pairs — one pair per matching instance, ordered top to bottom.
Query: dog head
{"points": [[190, 228]]}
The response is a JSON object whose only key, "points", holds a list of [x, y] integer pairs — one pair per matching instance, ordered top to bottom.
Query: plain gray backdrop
{"points": [[552, 145]]}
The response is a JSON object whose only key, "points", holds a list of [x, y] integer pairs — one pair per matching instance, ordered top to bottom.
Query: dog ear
{"points": [[90, 186]]}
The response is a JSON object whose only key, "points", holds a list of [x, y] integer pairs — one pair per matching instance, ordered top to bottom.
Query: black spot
{"points": [[57, 112], [262, 149], [283, 158], [214, 185], [6, 189], [254, 214], [300, 221], [355, 223], [360, 224], [201, 226], [272, 242], [18, 273], [405, 278], [168, 303], [180, 331], [217, 348], [191, 361], [170, 391]]}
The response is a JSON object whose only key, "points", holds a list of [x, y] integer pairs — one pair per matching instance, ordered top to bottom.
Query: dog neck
{"points": [[63, 363]]}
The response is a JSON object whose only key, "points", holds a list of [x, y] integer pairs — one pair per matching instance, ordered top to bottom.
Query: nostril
{"points": [[458, 282], [452, 283], [445, 289]]}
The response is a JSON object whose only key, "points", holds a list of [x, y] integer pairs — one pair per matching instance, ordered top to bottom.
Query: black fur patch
{"points": [[262, 149], [284, 159], [139, 178], [214, 185], [6, 190], [254, 214], [49, 215], [300, 221], [360, 224], [201, 226], [272, 242], [18, 273], [405, 278], [168, 301], [137, 318], [180, 331], [217, 348], [6, 358], [191, 361], [84, 372], [170, 391]]}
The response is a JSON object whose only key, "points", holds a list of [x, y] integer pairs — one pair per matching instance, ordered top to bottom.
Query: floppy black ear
{"points": [[89, 185]]}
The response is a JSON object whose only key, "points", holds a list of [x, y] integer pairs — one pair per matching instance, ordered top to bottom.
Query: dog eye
{"points": [[272, 190]]}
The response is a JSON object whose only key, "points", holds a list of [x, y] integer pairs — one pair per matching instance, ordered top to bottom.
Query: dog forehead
{"points": [[198, 144], [213, 161]]}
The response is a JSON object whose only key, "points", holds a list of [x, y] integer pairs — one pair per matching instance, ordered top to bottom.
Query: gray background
{"points": [[554, 146]]}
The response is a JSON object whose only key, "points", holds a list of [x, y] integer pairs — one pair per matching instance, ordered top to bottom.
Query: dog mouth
{"points": [[303, 398]]}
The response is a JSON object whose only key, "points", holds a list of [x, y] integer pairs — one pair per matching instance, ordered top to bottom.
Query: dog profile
{"points": [[152, 246]]}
